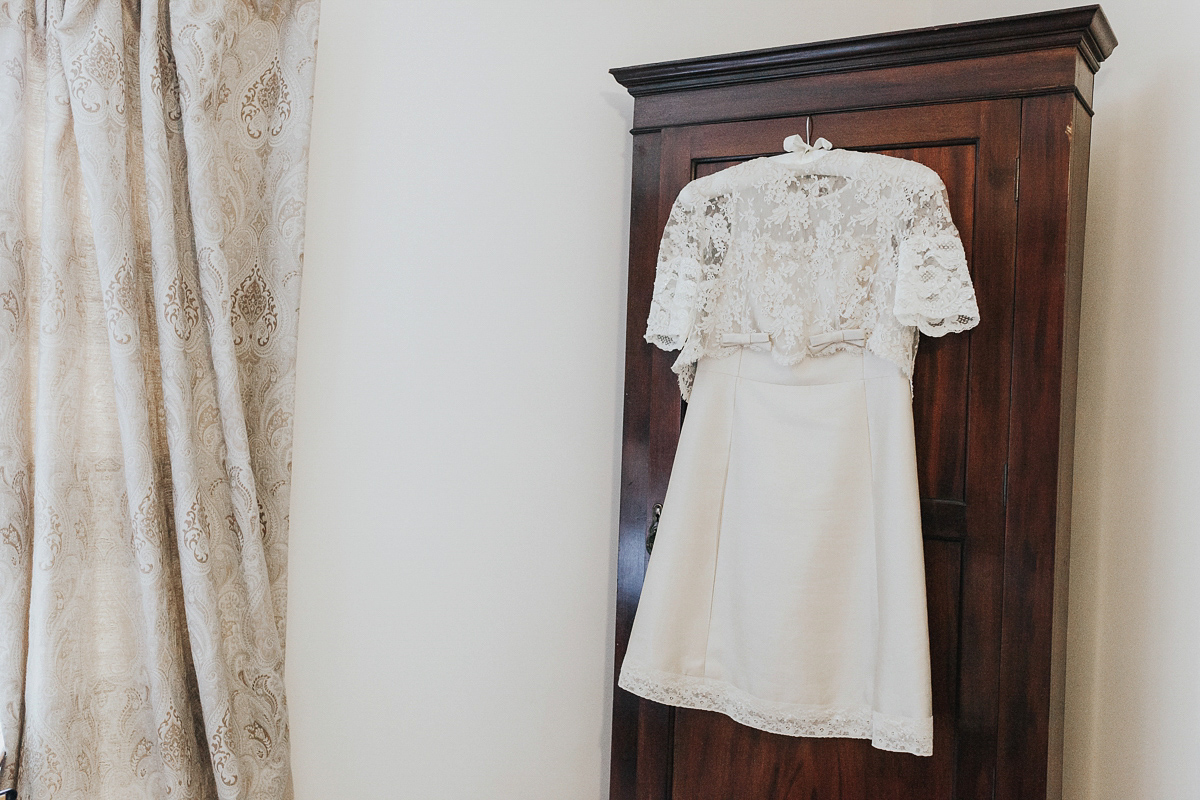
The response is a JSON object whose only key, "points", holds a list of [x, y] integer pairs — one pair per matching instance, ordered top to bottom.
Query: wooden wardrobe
{"points": [[1002, 110]]}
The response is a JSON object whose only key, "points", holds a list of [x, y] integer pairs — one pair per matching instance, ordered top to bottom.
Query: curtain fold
{"points": [[153, 161]]}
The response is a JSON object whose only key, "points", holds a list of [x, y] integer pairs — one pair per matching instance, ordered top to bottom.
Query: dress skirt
{"points": [[786, 589]]}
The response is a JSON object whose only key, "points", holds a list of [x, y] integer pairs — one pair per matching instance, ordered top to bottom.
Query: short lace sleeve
{"points": [[693, 244], [677, 278], [933, 286]]}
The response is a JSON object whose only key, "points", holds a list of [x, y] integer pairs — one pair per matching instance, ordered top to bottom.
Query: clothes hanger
{"points": [[801, 145], [806, 152]]}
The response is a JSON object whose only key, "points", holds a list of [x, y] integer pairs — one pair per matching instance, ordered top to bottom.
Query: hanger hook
{"points": [[808, 130]]}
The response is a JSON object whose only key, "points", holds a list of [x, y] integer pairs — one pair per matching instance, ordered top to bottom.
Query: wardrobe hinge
{"points": [[1017, 181], [1004, 488], [653, 529]]}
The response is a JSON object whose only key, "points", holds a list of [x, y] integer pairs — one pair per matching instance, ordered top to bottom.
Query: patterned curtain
{"points": [[153, 161]]}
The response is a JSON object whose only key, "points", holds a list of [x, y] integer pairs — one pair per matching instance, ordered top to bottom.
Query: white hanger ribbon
{"points": [[796, 144]]}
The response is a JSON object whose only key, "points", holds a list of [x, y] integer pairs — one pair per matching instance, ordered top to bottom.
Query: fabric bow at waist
{"points": [[734, 339], [822, 340], [815, 343]]}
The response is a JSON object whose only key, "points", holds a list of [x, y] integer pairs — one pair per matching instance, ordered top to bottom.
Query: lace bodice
{"points": [[782, 253]]}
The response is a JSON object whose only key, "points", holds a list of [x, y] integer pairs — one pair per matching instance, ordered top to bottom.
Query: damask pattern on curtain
{"points": [[153, 160]]}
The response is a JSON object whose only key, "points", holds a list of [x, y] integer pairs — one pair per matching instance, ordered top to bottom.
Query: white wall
{"points": [[458, 418]]}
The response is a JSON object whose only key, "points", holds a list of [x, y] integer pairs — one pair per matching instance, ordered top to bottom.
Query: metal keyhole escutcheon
{"points": [[653, 530]]}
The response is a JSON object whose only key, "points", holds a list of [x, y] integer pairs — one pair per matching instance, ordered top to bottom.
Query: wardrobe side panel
{"points": [[1077, 214], [1042, 390], [635, 489]]}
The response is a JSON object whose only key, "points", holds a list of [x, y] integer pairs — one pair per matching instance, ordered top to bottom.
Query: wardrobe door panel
{"points": [[940, 377], [971, 512], [708, 755]]}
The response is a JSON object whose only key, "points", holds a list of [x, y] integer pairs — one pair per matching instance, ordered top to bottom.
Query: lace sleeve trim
{"points": [[687, 277], [676, 285], [933, 285], [933, 288]]}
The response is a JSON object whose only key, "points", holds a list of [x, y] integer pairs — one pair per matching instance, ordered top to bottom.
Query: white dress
{"points": [[786, 588]]}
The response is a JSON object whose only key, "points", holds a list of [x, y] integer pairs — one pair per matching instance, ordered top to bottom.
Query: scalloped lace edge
{"points": [[886, 732]]}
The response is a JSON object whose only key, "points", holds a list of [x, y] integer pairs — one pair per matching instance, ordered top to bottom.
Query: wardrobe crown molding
{"points": [[1086, 28]]}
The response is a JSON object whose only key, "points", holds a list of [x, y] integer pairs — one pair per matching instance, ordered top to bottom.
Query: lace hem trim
{"points": [[897, 734]]}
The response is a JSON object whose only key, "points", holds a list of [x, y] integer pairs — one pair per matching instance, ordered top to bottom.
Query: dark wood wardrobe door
{"points": [[961, 414]]}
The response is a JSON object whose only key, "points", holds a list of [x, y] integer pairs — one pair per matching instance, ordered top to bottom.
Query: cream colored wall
{"points": [[458, 414], [1133, 694]]}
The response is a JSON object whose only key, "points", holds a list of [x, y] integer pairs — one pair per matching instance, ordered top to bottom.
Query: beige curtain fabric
{"points": [[153, 162]]}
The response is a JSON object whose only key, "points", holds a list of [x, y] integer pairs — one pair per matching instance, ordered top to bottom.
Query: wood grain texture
{"points": [[1081, 134], [1049, 261], [635, 448]]}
